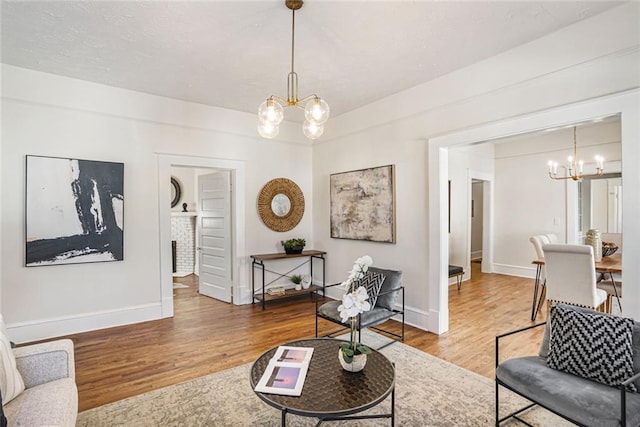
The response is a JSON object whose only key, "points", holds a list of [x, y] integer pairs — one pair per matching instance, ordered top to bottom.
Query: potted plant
{"points": [[293, 246], [297, 279], [353, 354]]}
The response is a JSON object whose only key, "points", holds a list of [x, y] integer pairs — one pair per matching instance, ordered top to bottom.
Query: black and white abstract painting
{"points": [[363, 204], [74, 211]]}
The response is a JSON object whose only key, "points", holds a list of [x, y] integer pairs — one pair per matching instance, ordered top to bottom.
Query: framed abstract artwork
{"points": [[363, 204], [74, 211]]}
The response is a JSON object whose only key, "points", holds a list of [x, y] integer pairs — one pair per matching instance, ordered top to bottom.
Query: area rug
{"points": [[429, 392]]}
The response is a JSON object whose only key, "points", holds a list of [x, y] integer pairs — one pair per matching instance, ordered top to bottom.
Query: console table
{"points": [[259, 262]]}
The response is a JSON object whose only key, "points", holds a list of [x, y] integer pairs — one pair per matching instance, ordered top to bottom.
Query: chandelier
{"points": [[271, 111], [575, 166]]}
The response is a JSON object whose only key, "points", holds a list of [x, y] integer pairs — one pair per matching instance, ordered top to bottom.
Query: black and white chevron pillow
{"points": [[372, 283], [591, 345]]}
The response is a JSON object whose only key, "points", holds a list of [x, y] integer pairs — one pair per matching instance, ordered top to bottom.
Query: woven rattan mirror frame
{"points": [[292, 191]]}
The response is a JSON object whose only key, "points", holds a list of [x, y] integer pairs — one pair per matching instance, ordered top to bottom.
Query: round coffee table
{"points": [[330, 393]]}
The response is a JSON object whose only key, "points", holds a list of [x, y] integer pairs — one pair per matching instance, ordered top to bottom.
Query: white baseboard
{"points": [[515, 270], [24, 332]]}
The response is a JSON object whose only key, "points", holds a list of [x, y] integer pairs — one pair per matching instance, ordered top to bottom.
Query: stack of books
{"points": [[277, 290], [286, 371]]}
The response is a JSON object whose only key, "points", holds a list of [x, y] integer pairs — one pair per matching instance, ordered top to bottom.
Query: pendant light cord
{"points": [[293, 35]]}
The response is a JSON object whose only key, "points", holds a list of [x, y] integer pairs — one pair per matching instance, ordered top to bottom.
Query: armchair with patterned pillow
{"points": [[386, 296], [587, 370]]}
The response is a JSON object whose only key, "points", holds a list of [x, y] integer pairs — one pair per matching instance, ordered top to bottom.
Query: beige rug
{"points": [[429, 392]]}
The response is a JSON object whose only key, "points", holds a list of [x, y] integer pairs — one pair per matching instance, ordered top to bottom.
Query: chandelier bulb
{"points": [[317, 110], [271, 111], [268, 129], [312, 130]]}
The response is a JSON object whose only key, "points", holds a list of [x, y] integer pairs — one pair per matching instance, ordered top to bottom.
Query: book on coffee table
{"points": [[286, 371]]}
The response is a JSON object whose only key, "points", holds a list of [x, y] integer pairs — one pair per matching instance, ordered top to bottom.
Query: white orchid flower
{"points": [[354, 303]]}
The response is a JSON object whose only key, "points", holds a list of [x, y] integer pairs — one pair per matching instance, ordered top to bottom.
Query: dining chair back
{"points": [[538, 241], [571, 276]]}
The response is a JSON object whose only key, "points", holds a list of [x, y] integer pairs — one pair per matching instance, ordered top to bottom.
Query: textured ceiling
{"points": [[233, 54]]}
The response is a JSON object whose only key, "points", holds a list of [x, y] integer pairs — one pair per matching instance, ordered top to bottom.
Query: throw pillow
{"points": [[392, 280], [372, 281], [591, 345], [11, 383]]}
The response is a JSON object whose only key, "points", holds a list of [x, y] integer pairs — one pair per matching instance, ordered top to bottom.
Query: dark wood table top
{"points": [[328, 389]]}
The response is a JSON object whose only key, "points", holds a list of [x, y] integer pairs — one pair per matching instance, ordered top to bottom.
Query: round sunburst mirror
{"points": [[281, 204]]}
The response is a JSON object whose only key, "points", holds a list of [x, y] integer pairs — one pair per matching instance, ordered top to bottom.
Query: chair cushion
{"points": [[455, 270], [393, 280], [372, 281], [329, 310], [373, 317], [595, 345], [11, 382], [587, 402], [50, 404]]}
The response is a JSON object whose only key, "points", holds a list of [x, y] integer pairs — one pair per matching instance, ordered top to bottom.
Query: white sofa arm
{"points": [[45, 362]]}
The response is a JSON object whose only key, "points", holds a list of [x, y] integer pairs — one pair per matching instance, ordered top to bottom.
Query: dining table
{"points": [[607, 265]]}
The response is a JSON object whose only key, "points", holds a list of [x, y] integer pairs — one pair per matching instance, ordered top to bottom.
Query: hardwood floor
{"points": [[207, 336]]}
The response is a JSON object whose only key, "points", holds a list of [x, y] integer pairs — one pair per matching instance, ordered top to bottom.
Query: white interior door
{"points": [[214, 235]]}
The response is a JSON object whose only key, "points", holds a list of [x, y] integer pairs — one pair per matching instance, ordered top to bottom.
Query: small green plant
{"points": [[292, 243], [296, 278]]}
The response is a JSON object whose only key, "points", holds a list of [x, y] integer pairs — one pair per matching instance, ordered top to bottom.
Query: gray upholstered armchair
{"points": [[389, 302], [585, 381]]}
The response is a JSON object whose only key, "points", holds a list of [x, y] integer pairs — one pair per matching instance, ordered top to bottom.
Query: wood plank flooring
{"points": [[207, 336]]}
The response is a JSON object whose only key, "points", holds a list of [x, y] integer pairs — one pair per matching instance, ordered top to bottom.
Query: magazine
{"points": [[286, 371]]}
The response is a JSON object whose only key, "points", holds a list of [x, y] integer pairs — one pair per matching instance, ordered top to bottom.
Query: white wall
{"points": [[594, 58], [49, 115], [525, 192]]}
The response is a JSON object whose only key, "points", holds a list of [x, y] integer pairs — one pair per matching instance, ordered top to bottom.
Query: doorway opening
{"points": [[624, 104], [201, 218], [235, 240], [475, 249]]}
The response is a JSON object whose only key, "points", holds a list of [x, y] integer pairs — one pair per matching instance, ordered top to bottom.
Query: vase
{"points": [[593, 238], [293, 250], [306, 281], [357, 364]]}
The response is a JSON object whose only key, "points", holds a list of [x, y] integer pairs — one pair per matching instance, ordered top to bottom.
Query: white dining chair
{"points": [[538, 241], [571, 276], [613, 289]]}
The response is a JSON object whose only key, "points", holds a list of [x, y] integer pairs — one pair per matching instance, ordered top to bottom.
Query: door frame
{"points": [[625, 103], [487, 221], [238, 246]]}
